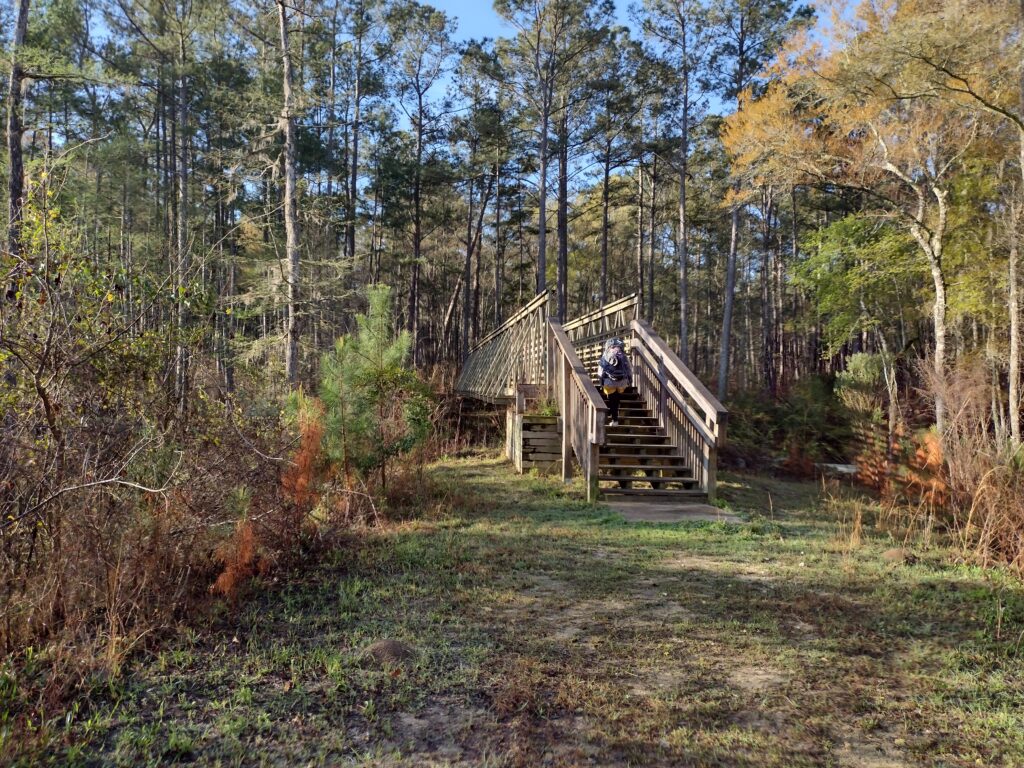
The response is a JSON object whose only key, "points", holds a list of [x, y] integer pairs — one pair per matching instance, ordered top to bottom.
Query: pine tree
{"points": [[376, 407]]}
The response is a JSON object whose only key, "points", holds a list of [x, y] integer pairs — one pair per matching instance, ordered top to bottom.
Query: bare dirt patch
{"points": [[757, 679]]}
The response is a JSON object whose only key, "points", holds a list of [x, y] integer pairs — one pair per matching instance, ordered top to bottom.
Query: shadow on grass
{"points": [[548, 632]]}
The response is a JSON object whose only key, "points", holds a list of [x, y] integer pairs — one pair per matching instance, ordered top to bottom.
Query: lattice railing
{"points": [[589, 332], [514, 353]]}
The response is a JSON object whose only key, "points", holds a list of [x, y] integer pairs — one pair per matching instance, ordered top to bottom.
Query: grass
{"points": [[548, 632]]}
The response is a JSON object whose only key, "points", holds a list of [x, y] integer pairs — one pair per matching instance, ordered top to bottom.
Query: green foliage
{"points": [[864, 274], [859, 387], [376, 407], [813, 421], [809, 423]]}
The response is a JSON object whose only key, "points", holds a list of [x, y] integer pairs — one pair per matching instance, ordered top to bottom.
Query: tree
{"points": [[682, 30], [748, 32], [425, 48], [544, 52], [970, 55], [617, 106], [287, 126], [15, 129], [376, 407]]}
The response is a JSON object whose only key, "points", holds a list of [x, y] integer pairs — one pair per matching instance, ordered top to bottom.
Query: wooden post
{"points": [[662, 392], [567, 408], [510, 428], [711, 460], [592, 481]]}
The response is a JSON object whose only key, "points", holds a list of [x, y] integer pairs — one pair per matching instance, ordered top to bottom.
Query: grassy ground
{"points": [[547, 632]]}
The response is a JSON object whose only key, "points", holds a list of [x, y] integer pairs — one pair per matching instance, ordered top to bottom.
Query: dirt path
{"points": [[544, 632]]}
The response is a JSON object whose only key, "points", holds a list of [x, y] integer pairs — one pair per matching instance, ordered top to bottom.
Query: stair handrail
{"points": [[581, 407], [686, 409]]}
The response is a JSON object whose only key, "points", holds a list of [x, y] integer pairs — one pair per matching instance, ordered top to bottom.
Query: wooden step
{"points": [[634, 429], [628, 438], [635, 449], [643, 461], [680, 467], [652, 481], [690, 494]]}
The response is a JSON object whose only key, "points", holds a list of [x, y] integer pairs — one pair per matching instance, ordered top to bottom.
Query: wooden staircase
{"points": [[670, 426], [639, 459]]}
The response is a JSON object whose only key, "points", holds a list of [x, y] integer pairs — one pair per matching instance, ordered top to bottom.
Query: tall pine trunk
{"points": [[287, 124], [15, 129], [353, 196], [542, 201], [563, 210], [604, 221], [652, 227], [683, 235], [417, 237], [640, 237], [184, 259], [730, 297]]}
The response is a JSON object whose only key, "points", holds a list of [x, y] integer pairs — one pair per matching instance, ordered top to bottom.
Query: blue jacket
{"points": [[615, 373]]}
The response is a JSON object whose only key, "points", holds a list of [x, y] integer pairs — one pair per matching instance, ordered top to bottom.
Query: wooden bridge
{"points": [[670, 425]]}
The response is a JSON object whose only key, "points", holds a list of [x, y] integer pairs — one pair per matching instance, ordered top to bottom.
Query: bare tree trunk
{"points": [[287, 124], [15, 129], [353, 190], [542, 204], [563, 210], [604, 222], [653, 223], [683, 235], [640, 236], [417, 237], [522, 243], [184, 246], [499, 246], [477, 250], [468, 265], [730, 298], [767, 300], [1014, 308], [1014, 311]]}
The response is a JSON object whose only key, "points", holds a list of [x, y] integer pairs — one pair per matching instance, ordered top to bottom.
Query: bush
{"points": [[372, 408], [806, 425], [118, 495]]}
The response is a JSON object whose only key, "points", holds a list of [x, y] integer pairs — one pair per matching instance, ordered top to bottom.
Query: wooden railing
{"points": [[613, 318], [514, 353], [581, 407], [692, 417]]}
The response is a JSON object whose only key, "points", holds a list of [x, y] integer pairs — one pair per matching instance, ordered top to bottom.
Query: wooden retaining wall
{"points": [[532, 441], [541, 446]]}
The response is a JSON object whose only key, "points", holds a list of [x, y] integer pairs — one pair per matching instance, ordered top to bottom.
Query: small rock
{"points": [[899, 556], [389, 652]]}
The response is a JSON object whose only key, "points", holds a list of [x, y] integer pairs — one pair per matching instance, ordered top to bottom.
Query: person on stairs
{"points": [[614, 375]]}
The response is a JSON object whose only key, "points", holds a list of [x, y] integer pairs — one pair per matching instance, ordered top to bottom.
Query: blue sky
{"points": [[477, 17]]}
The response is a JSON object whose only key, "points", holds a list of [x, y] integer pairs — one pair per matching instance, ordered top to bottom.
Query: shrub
{"points": [[372, 408], [806, 425]]}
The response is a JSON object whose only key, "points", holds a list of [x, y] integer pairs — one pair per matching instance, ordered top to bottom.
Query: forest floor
{"points": [[547, 632]]}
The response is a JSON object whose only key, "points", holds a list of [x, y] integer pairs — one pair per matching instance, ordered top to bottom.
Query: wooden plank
{"points": [[543, 440]]}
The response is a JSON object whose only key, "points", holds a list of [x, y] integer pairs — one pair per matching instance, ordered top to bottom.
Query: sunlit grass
{"points": [[547, 631]]}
